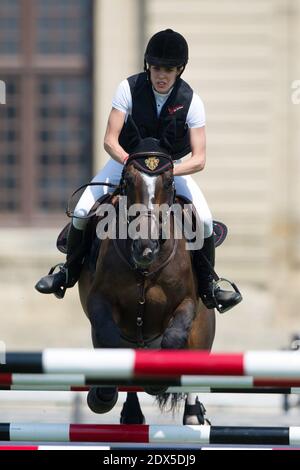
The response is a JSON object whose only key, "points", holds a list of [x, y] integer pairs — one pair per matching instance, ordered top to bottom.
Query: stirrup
{"points": [[215, 287], [60, 292]]}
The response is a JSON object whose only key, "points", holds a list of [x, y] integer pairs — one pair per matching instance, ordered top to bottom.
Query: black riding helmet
{"points": [[167, 48]]}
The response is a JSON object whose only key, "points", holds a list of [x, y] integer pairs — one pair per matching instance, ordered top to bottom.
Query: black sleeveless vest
{"points": [[144, 113]]}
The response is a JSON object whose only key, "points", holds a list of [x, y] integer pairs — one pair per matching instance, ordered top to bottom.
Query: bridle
{"points": [[139, 161], [145, 162]]}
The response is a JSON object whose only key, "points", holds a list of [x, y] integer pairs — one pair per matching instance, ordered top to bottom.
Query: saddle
{"points": [[220, 230]]}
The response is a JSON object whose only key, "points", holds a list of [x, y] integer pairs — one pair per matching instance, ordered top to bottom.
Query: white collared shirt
{"points": [[122, 101]]}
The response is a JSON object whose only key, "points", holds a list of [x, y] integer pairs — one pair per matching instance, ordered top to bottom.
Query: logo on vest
{"points": [[174, 109], [152, 163]]}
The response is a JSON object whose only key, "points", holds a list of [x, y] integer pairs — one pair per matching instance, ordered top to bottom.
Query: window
{"points": [[10, 27], [46, 124], [63, 138], [10, 196]]}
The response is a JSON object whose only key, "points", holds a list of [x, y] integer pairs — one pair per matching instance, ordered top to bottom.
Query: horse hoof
{"points": [[155, 389], [97, 404]]}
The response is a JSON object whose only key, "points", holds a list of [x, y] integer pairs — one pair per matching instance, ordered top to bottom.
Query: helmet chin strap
{"points": [[183, 69]]}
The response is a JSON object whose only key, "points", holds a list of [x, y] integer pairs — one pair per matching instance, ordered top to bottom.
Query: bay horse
{"points": [[142, 292]]}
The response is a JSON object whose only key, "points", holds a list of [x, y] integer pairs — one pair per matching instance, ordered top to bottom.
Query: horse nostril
{"points": [[147, 253]]}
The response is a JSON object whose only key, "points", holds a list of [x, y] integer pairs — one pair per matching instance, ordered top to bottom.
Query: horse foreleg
{"points": [[202, 332], [177, 333], [105, 334], [175, 337], [131, 412]]}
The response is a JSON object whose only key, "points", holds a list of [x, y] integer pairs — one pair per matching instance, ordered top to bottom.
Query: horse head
{"points": [[148, 184]]}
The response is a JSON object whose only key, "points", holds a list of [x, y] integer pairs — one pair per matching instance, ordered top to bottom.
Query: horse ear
{"points": [[133, 134], [169, 135]]}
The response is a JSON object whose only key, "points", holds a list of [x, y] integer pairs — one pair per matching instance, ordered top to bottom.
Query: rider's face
{"points": [[163, 78]]}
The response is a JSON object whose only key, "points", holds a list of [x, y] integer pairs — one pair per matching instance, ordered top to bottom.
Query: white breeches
{"points": [[111, 173]]}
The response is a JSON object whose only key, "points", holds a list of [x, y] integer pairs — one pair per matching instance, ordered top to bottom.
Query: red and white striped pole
{"points": [[125, 364]]}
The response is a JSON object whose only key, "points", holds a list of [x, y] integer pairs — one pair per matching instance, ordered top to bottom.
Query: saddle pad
{"points": [[220, 232]]}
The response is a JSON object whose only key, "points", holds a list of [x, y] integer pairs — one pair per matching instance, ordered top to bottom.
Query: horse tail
{"points": [[169, 401]]}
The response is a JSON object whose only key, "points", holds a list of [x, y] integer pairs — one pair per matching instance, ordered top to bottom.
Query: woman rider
{"points": [[152, 98]]}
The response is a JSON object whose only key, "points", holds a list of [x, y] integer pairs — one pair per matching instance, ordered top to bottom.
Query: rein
{"points": [[163, 162], [70, 213], [143, 276], [142, 299]]}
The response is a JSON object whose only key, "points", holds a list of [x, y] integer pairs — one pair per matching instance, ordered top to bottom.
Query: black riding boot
{"points": [[68, 274], [209, 291]]}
